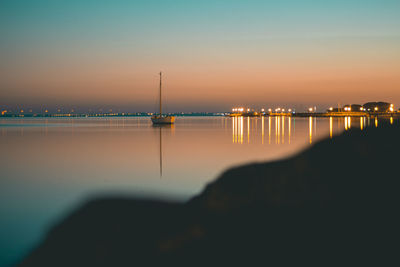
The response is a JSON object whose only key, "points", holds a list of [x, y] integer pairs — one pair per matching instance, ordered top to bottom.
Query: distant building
{"points": [[378, 107], [353, 108], [335, 110]]}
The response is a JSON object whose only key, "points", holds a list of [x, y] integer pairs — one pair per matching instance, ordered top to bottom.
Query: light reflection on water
{"points": [[280, 131], [48, 166]]}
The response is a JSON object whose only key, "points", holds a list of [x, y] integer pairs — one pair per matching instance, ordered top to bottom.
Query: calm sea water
{"points": [[50, 166]]}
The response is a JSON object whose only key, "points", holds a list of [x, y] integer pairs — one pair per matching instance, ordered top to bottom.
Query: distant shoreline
{"points": [[139, 114], [217, 114], [321, 114]]}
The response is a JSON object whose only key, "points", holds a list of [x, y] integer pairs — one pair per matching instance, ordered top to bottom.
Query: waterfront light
{"points": [[331, 108], [376, 108], [310, 109], [248, 110], [262, 110], [269, 110], [289, 110]]}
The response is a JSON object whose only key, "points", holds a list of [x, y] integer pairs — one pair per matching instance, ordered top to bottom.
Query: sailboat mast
{"points": [[160, 95]]}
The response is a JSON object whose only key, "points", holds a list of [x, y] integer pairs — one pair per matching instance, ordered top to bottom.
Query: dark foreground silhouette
{"points": [[335, 204]]}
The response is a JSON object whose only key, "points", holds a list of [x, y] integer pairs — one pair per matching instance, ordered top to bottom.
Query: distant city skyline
{"points": [[214, 54]]}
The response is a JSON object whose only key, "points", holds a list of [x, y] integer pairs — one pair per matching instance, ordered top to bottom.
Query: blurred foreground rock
{"points": [[336, 203]]}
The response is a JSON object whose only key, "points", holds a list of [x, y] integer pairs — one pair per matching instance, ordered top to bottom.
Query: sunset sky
{"points": [[215, 54]]}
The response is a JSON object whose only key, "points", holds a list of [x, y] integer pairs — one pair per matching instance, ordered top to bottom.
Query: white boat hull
{"points": [[163, 119]]}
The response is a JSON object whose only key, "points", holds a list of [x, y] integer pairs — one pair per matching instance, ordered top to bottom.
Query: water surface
{"points": [[49, 166]]}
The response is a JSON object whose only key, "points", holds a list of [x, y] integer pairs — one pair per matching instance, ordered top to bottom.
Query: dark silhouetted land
{"points": [[334, 204]]}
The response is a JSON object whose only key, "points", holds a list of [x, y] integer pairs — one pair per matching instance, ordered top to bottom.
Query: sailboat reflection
{"points": [[161, 127]]}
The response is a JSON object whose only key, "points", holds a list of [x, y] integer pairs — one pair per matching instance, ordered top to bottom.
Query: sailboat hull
{"points": [[163, 120]]}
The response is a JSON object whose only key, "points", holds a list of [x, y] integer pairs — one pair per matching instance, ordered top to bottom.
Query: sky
{"points": [[215, 54]]}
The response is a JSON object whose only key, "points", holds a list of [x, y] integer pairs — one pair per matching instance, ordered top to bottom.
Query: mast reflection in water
{"points": [[166, 127]]}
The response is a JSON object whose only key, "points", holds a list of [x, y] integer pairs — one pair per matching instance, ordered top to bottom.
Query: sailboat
{"points": [[162, 119]]}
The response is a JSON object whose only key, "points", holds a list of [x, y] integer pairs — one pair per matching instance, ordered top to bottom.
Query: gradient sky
{"points": [[215, 53]]}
